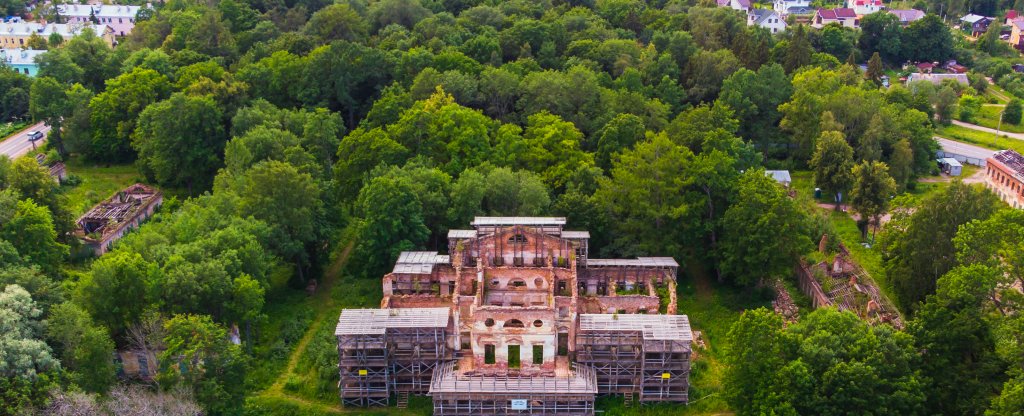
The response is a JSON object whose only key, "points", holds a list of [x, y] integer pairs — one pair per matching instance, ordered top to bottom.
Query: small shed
{"points": [[950, 166], [780, 176]]}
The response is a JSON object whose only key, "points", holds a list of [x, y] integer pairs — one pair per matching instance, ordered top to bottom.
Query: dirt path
{"points": [[977, 177], [701, 280], [322, 297]]}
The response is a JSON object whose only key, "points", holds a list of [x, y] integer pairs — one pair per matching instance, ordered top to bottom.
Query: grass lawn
{"points": [[989, 117], [7, 129], [980, 138], [98, 183]]}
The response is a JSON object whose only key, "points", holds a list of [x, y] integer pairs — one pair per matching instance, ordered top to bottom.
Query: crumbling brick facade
{"points": [[517, 290]]}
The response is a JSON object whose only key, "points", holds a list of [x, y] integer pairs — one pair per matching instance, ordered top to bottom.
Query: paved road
{"points": [[1018, 136], [17, 144], [964, 149]]}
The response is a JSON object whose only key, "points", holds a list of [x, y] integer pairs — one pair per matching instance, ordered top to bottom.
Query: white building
{"points": [[743, 5], [782, 6], [862, 7], [120, 18], [768, 19]]}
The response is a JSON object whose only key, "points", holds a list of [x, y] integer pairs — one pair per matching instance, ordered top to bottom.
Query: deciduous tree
{"points": [[833, 164]]}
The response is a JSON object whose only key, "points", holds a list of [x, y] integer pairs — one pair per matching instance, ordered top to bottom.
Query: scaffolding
{"points": [[385, 351], [650, 351], [456, 394]]}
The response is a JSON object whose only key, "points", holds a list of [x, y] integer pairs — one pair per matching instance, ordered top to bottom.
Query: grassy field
{"points": [[989, 117], [7, 129], [980, 138], [98, 183]]}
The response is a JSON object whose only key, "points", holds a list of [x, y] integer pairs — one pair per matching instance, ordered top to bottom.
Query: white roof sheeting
{"points": [[100, 10], [45, 30], [20, 56], [499, 221], [461, 233], [576, 235], [419, 262], [637, 262], [376, 321], [654, 327], [581, 380]]}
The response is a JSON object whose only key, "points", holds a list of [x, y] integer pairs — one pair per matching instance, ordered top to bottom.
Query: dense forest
{"points": [[287, 132]]}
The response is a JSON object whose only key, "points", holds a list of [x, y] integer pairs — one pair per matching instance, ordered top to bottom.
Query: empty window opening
{"points": [[517, 239], [517, 283], [489, 322], [514, 323], [538, 323], [489, 354], [538, 354], [513, 356]]}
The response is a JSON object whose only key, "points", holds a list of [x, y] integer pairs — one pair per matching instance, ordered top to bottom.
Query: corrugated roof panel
{"points": [[376, 321]]}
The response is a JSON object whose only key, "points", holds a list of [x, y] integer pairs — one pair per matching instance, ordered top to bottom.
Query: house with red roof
{"points": [[863, 7], [843, 16]]}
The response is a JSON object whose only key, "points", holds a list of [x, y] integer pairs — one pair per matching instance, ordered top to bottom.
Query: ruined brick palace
{"points": [[517, 319]]}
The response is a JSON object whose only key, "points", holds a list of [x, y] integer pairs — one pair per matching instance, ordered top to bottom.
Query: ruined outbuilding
{"points": [[109, 220], [517, 319]]}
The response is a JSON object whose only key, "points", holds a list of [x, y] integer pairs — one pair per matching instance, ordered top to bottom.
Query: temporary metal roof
{"points": [[501, 221], [461, 233], [576, 235], [419, 262], [637, 262], [376, 321], [654, 327], [447, 379]]}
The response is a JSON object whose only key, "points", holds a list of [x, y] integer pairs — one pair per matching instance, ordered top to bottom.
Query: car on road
{"points": [[35, 135]]}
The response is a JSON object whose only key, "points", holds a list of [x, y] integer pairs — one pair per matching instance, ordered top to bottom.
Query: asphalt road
{"points": [[18, 144], [964, 149]]}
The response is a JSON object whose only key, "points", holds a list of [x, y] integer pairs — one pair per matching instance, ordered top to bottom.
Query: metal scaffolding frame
{"points": [[385, 351], [651, 351], [457, 394]]}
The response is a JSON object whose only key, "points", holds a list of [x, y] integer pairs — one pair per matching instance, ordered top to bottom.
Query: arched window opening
{"points": [[514, 323]]}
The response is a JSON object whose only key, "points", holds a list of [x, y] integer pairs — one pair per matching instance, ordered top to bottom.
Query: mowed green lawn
{"points": [[980, 138], [98, 182]]}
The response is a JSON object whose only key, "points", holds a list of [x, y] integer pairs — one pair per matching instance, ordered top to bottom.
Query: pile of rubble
{"points": [[783, 303]]}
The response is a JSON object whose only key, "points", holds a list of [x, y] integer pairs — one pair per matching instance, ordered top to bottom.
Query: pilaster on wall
{"points": [[573, 305]]}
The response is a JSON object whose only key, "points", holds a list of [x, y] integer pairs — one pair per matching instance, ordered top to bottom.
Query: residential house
{"points": [[743, 5], [783, 6], [863, 7], [907, 15], [843, 16], [1010, 16], [120, 18], [768, 19], [974, 24], [1016, 27], [16, 35], [21, 60], [925, 67], [954, 67], [938, 78], [1004, 175], [108, 221]]}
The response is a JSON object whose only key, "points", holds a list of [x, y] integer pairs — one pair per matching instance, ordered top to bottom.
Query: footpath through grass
{"points": [[296, 385]]}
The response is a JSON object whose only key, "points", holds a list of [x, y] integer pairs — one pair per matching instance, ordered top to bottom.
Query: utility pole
{"points": [[999, 125]]}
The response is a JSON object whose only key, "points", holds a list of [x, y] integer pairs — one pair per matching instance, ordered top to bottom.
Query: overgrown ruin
{"points": [[517, 320]]}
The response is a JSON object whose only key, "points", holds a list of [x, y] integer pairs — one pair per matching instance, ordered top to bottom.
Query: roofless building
{"points": [[517, 319]]}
